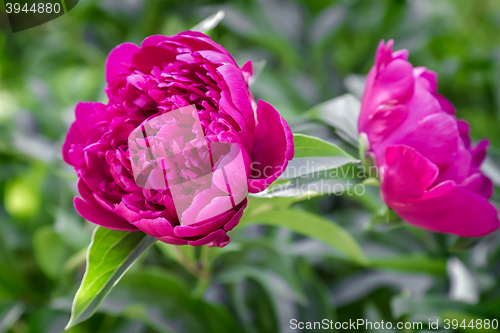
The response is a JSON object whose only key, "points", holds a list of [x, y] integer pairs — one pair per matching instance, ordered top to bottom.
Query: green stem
{"points": [[185, 262], [201, 269], [204, 272]]}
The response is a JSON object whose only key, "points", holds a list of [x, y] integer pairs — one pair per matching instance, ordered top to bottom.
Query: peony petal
{"points": [[154, 40], [197, 41], [384, 54], [401, 54], [150, 56], [216, 57], [119, 60], [247, 70], [426, 78], [395, 81], [392, 86], [240, 95], [420, 105], [446, 105], [226, 107], [82, 112], [383, 121], [464, 130], [74, 137], [436, 138], [273, 148], [479, 153], [459, 168], [232, 172], [406, 174], [429, 174], [479, 183], [86, 192], [199, 202], [217, 206], [447, 207], [458, 211], [126, 213], [102, 217], [236, 218], [158, 227], [203, 228], [209, 238], [173, 240], [220, 242]]}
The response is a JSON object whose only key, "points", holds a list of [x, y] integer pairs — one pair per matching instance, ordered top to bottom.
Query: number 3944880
{"points": [[35, 8], [473, 323]]}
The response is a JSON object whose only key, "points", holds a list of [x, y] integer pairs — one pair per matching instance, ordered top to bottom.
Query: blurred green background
{"points": [[315, 50]]}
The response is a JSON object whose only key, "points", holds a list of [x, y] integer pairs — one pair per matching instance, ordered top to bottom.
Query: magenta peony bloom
{"points": [[178, 146], [428, 168]]}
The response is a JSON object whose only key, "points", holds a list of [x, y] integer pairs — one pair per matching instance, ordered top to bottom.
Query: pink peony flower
{"points": [[179, 144], [430, 173]]}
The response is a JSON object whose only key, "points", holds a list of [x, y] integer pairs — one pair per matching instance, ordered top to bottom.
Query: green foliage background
{"points": [[268, 275]]}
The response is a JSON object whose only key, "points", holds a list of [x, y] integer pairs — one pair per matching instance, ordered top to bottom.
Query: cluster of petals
{"points": [[139, 168]]}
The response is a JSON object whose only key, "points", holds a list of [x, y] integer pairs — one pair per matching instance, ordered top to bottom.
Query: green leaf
{"points": [[209, 23], [341, 113], [309, 146], [328, 171], [314, 226], [111, 253], [413, 263]]}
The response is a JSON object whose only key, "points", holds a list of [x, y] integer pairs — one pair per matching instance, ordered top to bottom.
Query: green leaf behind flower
{"points": [[209, 23], [341, 113], [309, 146], [314, 226], [411, 263]]}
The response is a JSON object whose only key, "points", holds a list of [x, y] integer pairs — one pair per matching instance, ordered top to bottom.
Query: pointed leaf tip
{"points": [[210, 22], [111, 253]]}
